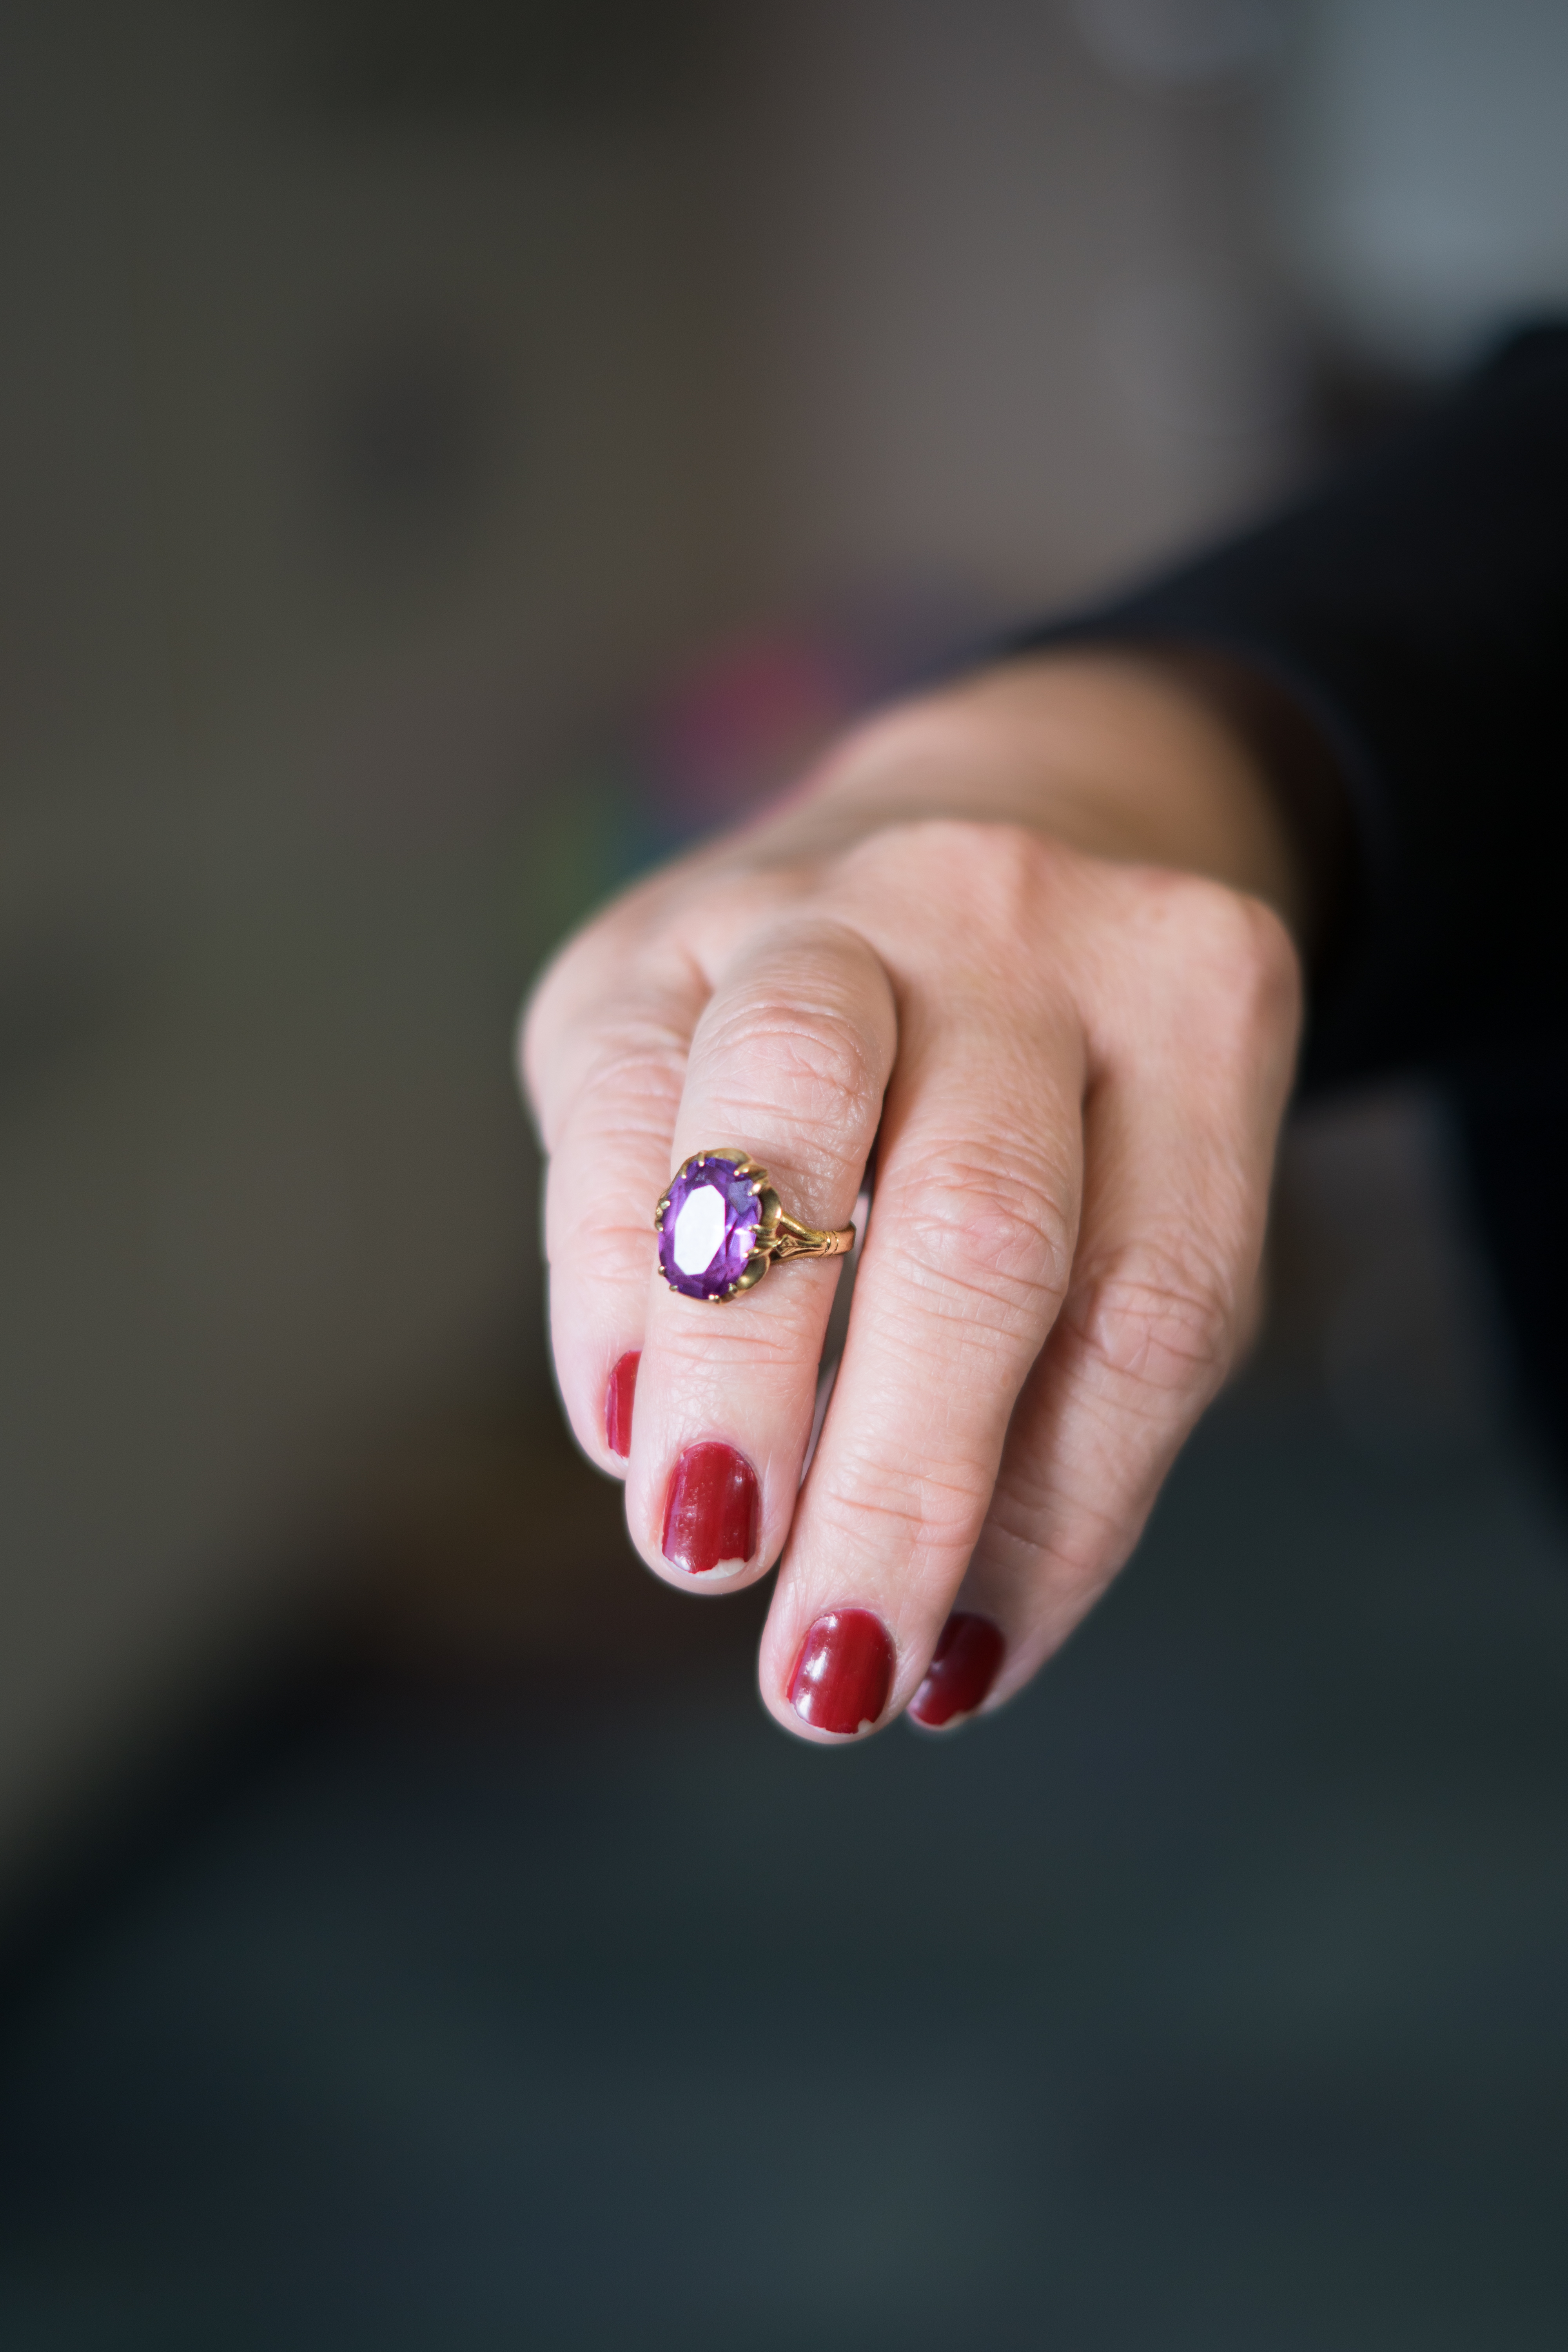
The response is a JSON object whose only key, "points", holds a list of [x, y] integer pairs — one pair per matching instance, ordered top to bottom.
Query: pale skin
{"points": [[1033, 934]]}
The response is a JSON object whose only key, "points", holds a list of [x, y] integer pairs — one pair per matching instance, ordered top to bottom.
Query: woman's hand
{"points": [[1022, 937]]}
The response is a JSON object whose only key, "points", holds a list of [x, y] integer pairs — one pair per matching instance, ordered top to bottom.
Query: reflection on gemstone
{"points": [[708, 1227], [700, 1230]]}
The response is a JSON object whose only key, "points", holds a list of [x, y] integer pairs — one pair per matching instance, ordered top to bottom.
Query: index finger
{"points": [[606, 1062]]}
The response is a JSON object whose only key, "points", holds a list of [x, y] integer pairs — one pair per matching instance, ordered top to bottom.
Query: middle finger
{"points": [[964, 1268]]}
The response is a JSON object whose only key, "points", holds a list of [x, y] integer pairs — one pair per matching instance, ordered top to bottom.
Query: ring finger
{"points": [[788, 1063]]}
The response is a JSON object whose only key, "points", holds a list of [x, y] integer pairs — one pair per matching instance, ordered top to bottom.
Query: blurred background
{"points": [[453, 452]]}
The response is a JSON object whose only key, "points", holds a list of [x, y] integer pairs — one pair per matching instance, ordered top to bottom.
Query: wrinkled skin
{"points": [[1033, 937]]}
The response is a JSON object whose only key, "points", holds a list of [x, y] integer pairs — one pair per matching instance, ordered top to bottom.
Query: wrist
{"points": [[1120, 754]]}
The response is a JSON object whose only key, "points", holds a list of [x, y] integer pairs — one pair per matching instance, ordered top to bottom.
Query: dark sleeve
{"points": [[1415, 611]]}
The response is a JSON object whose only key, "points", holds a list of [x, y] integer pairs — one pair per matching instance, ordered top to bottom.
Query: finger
{"points": [[606, 1061], [788, 1063], [1179, 1150], [964, 1268]]}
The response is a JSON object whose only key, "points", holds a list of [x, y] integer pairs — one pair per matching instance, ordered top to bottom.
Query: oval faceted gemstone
{"points": [[710, 1228]]}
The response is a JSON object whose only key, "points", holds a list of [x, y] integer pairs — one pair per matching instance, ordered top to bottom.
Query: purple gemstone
{"points": [[710, 1228]]}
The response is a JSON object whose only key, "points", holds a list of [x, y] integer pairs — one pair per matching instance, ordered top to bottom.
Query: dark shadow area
{"points": [[1211, 1996]]}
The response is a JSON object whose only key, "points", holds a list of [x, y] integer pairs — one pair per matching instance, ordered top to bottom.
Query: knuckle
{"points": [[986, 870], [1232, 952], [1251, 952], [594, 1019], [814, 1063], [629, 1082], [968, 1228], [1160, 1319], [921, 1514]]}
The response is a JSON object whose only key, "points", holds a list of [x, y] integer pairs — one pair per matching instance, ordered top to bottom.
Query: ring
{"points": [[721, 1226]]}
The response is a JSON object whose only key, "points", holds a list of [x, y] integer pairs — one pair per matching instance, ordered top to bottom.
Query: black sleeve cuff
{"points": [[1411, 618]]}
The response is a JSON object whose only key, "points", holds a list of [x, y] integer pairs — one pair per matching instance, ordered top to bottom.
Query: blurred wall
{"points": [[1419, 184], [1013, 315], [351, 449]]}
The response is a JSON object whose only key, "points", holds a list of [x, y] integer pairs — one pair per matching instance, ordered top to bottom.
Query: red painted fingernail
{"points": [[621, 1388], [710, 1511], [844, 1671], [962, 1671]]}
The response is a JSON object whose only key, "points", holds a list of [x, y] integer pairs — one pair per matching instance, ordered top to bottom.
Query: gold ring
{"points": [[721, 1226]]}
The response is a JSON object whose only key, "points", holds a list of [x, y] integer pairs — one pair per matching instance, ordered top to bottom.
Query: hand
{"points": [[1019, 935]]}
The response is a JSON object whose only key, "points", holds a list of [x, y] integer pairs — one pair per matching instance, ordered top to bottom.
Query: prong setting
{"points": [[721, 1225]]}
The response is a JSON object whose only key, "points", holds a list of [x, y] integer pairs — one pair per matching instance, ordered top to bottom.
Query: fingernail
{"points": [[618, 1395], [710, 1511], [844, 1671], [962, 1671]]}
